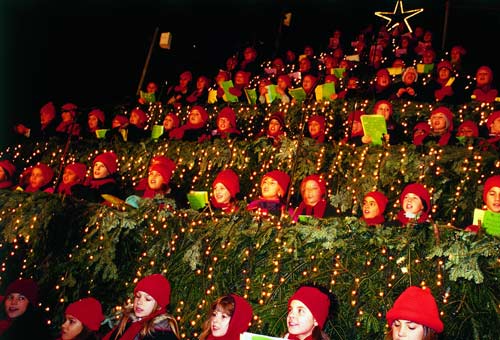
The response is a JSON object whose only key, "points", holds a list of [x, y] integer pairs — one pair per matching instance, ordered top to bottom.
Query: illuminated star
{"points": [[399, 15]]}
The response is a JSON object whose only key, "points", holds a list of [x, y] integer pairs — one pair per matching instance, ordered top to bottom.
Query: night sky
{"points": [[92, 52]]}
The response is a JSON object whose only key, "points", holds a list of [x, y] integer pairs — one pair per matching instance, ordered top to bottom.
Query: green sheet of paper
{"points": [[425, 68], [338, 72], [324, 91], [271, 93], [299, 94], [251, 95], [148, 97], [229, 97], [375, 127], [156, 131], [101, 133], [197, 199], [491, 223], [254, 336]]}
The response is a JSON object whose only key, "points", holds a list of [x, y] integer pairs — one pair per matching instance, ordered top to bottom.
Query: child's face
{"points": [[428, 57], [304, 65], [444, 73], [409, 77], [482, 77], [239, 79], [383, 80], [201, 83], [307, 83], [151, 88], [383, 110], [66, 116], [195, 117], [45, 118], [134, 119], [93, 122], [438, 122], [115, 123], [168, 123], [223, 123], [274, 126], [357, 127], [495, 127], [314, 128], [465, 131], [100, 170], [69, 177], [36, 178], [155, 180], [270, 188], [311, 193], [221, 194], [493, 199], [412, 204], [370, 208], [144, 304], [15, 305], [300, 320], [219, 322], [71, 328], [407, 330]]}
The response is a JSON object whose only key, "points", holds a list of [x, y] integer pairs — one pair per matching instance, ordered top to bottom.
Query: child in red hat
{"points": [[484, 92], [177, 94], [200, 95], [95, 121], [170, 122], [47, 124], [68, 124], [226, 124], [441, 124], [196, 128], [316, 128], [394, 130], [354, 132], [493, 140], [7, 172], [73, 174], [159, 175], [39, 178], [103, 180], [225, 187], [274, 187], [491, 198], [314, 203], [415, 203], [374, 204], [308, 310], [229, 316], [415, 316], [20, 317], [147, 317], [83, 319]]}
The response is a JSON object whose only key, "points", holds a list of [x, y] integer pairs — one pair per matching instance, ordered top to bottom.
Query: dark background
{"points": [[92, 52]]}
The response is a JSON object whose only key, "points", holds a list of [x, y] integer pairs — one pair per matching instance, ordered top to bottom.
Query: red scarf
{"points": [[485, 94], [178, 133], [97, 183], [6, 184], [225, 207], [317, 211], [379, 219], [405, 220], [4, 325], [134, 328]]}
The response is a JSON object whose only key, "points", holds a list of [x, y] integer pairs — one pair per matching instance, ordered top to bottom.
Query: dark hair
{"points": [[225, 303], [87, 334]]}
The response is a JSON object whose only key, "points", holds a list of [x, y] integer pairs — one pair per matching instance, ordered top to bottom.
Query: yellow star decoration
{"points": [[398, 15]]}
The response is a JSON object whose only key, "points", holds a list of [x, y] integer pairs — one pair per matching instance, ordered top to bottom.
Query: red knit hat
{"points": [[445, 64], [69, 107], [48, 109], [202, 111], [228, 113], [447, 113], [99, 114], [143, 117], [491, 118], [121, 119], [471, 125], [109, 159], [160, 159], [8, 167], [79, 169], [166, 170], [47, 172], [279, 176], [317, 179], [230, 180], [493, 181], [419, 190], [380, 198], [157, 286], [26, 287], [315, 300], [417, 305], [88, 311]]}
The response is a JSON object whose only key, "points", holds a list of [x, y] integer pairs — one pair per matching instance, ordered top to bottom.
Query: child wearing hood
{"points": [[226, 124], [441, 127], [196, 129], [73, 174], [40, 178], [225, 187], [274, 187], [415, 203], [374, 204], [229, 316]]}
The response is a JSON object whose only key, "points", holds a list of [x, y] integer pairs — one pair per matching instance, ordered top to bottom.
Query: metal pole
{"points": [[445, 25], [145, 68]]}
